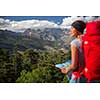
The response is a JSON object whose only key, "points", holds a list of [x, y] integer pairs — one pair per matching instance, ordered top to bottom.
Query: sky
{"points": [[56, 19], [21, 23]]}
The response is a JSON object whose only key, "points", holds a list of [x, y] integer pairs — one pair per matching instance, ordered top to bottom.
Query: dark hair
{"points": [[79, 25]]}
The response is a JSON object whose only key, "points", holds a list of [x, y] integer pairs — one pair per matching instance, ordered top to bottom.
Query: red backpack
{"points": [[91, 46]]}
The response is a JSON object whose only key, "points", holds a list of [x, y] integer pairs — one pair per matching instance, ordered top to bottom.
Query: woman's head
{"points": [[77, 28]]}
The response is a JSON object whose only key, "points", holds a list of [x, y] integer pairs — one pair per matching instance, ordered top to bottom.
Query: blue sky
{"points": [[56, 19]]}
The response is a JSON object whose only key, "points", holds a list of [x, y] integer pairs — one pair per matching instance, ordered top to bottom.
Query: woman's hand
{"points": [[64, 70]]}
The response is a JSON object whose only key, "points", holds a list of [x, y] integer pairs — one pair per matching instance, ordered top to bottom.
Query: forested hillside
{"points": [[31, 66]]}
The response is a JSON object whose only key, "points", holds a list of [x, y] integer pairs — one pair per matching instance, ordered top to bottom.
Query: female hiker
{"points": [[77, 55]]}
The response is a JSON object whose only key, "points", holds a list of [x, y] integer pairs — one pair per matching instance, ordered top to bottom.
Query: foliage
{"points": [[32, 66]]}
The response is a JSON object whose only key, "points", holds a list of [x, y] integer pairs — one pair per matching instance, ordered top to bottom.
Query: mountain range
{"points": [[39, 39]]}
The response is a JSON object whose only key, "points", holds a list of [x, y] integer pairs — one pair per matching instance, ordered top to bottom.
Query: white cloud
{"points": [[90, 18], [68, 20], [4, 23], [22, 25]]}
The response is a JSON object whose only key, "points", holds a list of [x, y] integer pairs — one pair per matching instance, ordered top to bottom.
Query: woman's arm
{"points": [[74, 57]]}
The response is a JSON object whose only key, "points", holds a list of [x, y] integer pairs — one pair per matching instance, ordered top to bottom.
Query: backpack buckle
{"points": [[85, 42]]}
